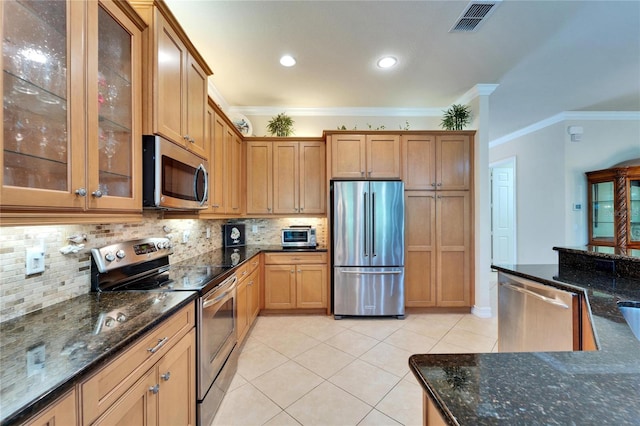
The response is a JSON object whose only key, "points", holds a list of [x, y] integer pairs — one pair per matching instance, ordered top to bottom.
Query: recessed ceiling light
{"points": [[287, 61], [387, 62]]}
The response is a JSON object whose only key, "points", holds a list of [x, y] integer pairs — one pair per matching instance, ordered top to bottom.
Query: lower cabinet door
{"points": [[311, 286], [279, 287], [241, 309], [177, 381], [138, 406], [62, 412]]}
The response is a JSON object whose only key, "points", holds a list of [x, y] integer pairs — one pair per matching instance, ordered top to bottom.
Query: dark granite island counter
{"points": [[563, 388]]}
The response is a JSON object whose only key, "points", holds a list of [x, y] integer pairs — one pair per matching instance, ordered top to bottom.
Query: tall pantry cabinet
{"points": [[438, 176]]}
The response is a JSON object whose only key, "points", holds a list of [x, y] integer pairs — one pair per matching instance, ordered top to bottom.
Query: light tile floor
{"points": [[314, 370]]}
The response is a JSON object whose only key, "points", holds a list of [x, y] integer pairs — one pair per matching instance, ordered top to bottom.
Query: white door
{"points": [[503, 249]]}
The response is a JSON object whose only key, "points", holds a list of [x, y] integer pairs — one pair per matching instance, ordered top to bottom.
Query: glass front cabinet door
{"points": [[71, 83], [614, 205]]}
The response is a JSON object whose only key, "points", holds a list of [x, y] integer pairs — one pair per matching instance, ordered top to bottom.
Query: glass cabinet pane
{"points": [[35, 58], [115, 119], [602, 207], [634, 210]]}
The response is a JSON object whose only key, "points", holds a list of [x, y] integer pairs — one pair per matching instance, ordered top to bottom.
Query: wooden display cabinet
{"points": [[88, 64], [614, 205]]}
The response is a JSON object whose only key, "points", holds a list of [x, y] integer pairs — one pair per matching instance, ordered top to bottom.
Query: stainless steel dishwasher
{"points": [[534, 317]]}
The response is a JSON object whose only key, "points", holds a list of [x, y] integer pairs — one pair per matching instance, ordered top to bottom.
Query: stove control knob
{"points": [[121, 254], [110, 257], [121, 317], [109, 322]]}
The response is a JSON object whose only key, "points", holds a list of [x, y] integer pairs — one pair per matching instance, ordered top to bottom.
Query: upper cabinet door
{"points": [[170, 107], [196, 108], [114, 109], [42, 114], [348, 156], [383, 156], [419, 162], [453, 162], [312, 178]]}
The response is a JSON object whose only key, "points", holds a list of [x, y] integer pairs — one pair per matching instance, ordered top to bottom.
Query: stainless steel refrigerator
{"points": [[368, 248]]}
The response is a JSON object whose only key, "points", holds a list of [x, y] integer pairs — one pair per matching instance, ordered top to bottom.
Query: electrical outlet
{"points": [[254, 229], [208, 232], [185, 237], [35, 260]]}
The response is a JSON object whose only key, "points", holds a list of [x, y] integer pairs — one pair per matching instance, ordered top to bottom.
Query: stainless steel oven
{"points": [[143, 265], [217, 362]]}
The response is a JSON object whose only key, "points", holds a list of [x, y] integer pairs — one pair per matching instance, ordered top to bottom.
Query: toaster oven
{"points": [[299, 237]]}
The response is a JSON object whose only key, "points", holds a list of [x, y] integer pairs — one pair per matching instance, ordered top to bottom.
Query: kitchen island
{"points": [[596, 387]]}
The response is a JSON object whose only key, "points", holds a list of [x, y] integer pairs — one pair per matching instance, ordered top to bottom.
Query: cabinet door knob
{"points": [[186, 137], [433, 184], [440, 184], [81, 192], [98, 193], [292, 271], [299, 271], [166, 376], [154, 389]]}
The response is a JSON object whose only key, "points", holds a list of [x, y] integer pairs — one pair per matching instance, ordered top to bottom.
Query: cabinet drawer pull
{"points": [[157, 347], [166, 376], [154, 389]]}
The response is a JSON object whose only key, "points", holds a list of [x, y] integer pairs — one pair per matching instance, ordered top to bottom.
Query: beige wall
{"points": [[550, 179]]}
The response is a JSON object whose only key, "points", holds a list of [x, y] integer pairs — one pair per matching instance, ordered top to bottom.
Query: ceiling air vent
{"points": [[475, 13]]}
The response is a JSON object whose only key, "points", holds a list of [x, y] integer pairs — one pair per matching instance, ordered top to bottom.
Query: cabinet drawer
{"points": [[294, 259], [247, 267], [101, 390]]}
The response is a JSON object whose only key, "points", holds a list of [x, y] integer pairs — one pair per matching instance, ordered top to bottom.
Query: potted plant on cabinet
{"points": [[456, 117], [281, 125]]}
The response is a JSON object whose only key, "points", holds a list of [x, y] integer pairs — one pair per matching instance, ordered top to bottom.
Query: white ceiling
{"points": [[546, 56]]}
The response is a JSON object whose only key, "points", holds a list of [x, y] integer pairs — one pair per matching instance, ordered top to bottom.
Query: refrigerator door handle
{"points": [[366, 223], [373, 224], [342, 271]]}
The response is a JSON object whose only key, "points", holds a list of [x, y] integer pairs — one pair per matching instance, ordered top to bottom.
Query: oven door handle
{"points": [[215, 298]]}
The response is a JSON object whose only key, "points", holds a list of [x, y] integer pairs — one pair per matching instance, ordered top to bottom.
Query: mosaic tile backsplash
{"points": [[67, 276]]}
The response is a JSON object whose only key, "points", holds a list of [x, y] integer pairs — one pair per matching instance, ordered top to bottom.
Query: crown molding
{"points": [[475, 91], [217, 96], [339, 111], [564, 116]]}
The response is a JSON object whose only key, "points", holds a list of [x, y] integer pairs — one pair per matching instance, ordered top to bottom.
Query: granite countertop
{"points": [[64, 335], [45, 353], [596, 387]]}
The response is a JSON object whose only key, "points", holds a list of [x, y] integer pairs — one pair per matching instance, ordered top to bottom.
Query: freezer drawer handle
{"points": [[371, 273], [536, 295]]}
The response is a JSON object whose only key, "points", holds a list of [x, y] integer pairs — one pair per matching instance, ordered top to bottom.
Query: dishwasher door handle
{"points": [[371, 272], [546, 299]]}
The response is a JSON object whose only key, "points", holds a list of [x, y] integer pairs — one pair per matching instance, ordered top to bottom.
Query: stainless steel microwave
{"points": [[172, 177], [299, 236]]}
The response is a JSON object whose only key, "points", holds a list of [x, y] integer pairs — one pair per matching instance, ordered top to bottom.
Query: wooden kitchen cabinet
{"points": [[175, 91], [365, 156], [436, 161], [54, 164], [225, 165], [259, 177], [285, 177], [614, 205], [438, 249], [295, 281], [248, 296], [134, 388], [61, 412]]}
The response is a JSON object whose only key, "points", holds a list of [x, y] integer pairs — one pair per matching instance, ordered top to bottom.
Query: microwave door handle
{"points": [[206, 184]]}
